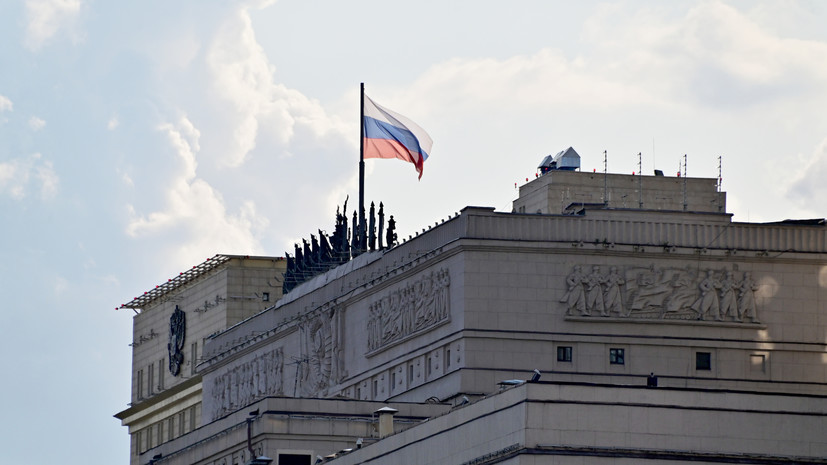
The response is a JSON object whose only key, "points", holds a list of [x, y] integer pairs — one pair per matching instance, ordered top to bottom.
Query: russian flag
{"points": [[388, 134]]}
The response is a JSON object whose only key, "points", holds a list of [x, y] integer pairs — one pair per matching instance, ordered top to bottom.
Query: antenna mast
{"points": [[640, 180], [605, 182], [684, 182], [720, 182]]}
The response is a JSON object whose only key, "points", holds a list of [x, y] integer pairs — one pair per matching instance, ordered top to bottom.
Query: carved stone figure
{"points": [[594, 291], [662, 293], [575, 296], [746, 298], [612, 300], [708, 301], [729, 303], [419, 305], [247, 382]]}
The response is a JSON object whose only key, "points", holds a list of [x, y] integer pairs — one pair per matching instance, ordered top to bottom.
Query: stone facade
{"points": [[729, 317], [170, 327]]}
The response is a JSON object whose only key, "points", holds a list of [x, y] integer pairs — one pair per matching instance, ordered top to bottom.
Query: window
{"points": [[265, 296], [564, 354], [617, 356], [193, 357], [447, 358], [703, 361], [757, 363], [428, 366], [410, 373], [161, 375], [151, 377], [140, 385], [375, 388], [192, 418], [181, 423], [170, 429], [159, 433], [294, 459]]}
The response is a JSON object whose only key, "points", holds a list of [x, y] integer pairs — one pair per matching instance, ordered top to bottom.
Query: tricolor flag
{"points": [[388, 134]]}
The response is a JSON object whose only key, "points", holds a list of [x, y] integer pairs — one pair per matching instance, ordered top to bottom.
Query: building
{"points": [[170, 325], [660, 330]]}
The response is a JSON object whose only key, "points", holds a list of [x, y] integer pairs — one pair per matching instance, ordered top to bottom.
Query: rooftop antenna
{"points": [[640, 180], [720, 181], [605, 182], [684, 182]]}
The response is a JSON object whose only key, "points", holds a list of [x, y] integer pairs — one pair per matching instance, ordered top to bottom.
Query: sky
{"points": [[138, 139]]}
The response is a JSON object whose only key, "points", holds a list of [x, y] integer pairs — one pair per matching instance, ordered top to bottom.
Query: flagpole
{"points": [[361, 167]]}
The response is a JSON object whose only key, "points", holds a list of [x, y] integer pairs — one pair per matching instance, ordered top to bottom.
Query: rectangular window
{"points": [[265, 296], [564, 354], [617, 356], [193, 357], [447, 358], [703, 361], [757, 363], [428, 366], [410, 373], [161, 375], [151, 378], [393, 380], [140, 384], [375, 389], [358, 393], [192, 418], [182, 423], [170, 429], [160, 432], [138, 438], [294, 459]]}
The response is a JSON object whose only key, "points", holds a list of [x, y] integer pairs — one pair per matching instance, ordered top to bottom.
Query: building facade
{"points": [[170, 325], [662, 331]]}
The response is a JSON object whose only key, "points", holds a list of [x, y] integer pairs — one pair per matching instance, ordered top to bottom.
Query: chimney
{"points": [[386, 421]]}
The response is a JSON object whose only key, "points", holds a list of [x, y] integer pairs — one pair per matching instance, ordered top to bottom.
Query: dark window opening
{"points": [[617, 356]]}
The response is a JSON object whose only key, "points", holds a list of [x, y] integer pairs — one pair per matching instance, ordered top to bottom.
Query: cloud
{"points": [[46, 18], [712, 56], [242, 79], [5, 104], [36, 123], [113, 123], [19, 176], [809, 183], [195, 209]]}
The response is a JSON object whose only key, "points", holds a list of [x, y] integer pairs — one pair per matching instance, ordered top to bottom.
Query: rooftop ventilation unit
{"points": [[566, 160]]}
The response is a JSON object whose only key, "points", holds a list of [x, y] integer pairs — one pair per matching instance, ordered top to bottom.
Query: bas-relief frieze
{"points": [[661, 293], [418, 306], [319, 364], [263, 376]]}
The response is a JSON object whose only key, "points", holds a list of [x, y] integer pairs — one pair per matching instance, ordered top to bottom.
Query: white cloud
{"points": [[46, 18], [713, 56], [242, 77], [5, 104], [36, 123], [113, 123], [19, 176], [194, 208]]}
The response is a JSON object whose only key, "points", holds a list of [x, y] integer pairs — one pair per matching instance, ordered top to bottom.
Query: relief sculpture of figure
{"points": [[594, 292], [684, 292], [575, 297], [746, 298], [612, 300], [708, 301], [729, 304]]}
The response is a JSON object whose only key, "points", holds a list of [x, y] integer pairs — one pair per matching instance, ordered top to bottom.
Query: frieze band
{"points": [[662, 293], [413, 308], [261, 377]]}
